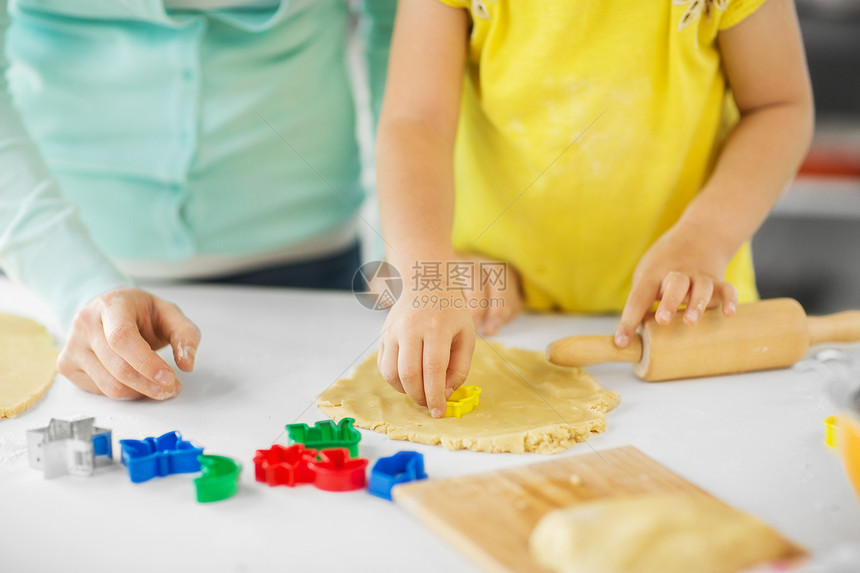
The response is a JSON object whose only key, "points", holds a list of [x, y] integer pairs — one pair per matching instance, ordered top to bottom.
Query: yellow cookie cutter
{"points": [[462, 401], [830, 431]]}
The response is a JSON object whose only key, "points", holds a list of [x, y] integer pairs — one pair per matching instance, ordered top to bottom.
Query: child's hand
{"points": [[685, 266], [496, 298], [427, 345]]}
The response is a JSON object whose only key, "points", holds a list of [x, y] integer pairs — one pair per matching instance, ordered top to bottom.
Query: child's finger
{"points": [[673, 291], [727, 292], [700, 295], [639, 301], [504, 305], [478, 310], [496, 315], [462, 348], [437, 353], [379, 354], [388, 366], [409, 369]]}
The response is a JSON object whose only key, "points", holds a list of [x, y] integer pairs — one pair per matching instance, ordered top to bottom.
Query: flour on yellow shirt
{"points": [[586, 128]]}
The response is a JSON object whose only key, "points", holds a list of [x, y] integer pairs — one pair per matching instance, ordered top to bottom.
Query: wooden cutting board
{"points": [[490, 516]]}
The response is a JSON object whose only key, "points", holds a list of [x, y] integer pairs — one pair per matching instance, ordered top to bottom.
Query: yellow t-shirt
{"points": [[585, 130]]}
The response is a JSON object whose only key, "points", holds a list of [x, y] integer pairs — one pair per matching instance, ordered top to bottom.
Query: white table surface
{"points": [[754, 440]]}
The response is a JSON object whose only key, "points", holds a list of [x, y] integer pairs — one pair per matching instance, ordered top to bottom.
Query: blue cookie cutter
{"points": [[326, 435], [165, 455], [402, 467]]}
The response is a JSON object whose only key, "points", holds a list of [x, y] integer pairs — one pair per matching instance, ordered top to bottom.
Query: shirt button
{"points": [[188, 75], [184, 137]]}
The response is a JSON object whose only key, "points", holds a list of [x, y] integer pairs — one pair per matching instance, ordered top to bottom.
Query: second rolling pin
{"points": [[772, 333]]}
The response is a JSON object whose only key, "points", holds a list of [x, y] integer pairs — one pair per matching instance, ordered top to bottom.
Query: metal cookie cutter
{"points": [[462, 401], [326, 435], [76, 448], [165, 455], [281, 465], [402, 467], [336, 471], [220, 479]]}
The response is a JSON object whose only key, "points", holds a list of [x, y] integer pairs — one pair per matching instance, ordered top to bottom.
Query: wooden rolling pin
{"points": [[772, 333]]}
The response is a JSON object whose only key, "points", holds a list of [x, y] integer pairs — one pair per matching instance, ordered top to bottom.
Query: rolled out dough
{"points": [[28, 362], [526, 405], [663, 533]]}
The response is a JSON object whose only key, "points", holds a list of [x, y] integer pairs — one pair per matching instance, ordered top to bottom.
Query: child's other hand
{"points": [[685, 266], [495, 299], [427, 345]]}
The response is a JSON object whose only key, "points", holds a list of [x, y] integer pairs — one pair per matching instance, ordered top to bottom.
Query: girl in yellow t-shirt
{"points": [[612, 154]]}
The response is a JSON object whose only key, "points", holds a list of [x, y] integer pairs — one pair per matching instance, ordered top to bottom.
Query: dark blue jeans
{"points": [[330, 272]]}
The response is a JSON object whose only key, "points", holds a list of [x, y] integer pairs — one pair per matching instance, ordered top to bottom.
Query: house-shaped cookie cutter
{"points": [[462, 401], [326, 435], [62, 447], [165, 455], [280, 465], [402, 467], [336, 471], [220, 479]]}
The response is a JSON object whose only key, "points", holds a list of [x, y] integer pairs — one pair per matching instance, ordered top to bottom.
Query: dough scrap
{"points": [[28, 363], [526, 405], [660, 533]]}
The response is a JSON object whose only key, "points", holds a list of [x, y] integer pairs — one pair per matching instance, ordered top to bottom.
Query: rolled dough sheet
{"points": [[28, 363], [526, 405], [660, 533]]}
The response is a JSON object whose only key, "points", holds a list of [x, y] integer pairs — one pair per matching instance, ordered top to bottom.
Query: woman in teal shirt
{"points": [[175, 139]]}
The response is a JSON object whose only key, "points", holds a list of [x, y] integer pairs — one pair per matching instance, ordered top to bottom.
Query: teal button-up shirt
{"points": [[173, 134]]}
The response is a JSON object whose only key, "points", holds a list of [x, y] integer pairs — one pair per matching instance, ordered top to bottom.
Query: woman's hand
{"points": [[112, 343]]}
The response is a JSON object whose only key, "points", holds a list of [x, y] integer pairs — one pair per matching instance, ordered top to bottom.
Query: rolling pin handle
{"points": [[839, 327], [588, 350]]}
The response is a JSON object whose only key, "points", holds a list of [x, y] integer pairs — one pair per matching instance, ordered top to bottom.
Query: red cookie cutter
{"points": [[281, 465], [336, 471]]}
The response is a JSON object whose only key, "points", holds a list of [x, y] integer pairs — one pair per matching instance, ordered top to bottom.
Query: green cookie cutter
{"points": [[325, 435], [220, 478]]}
